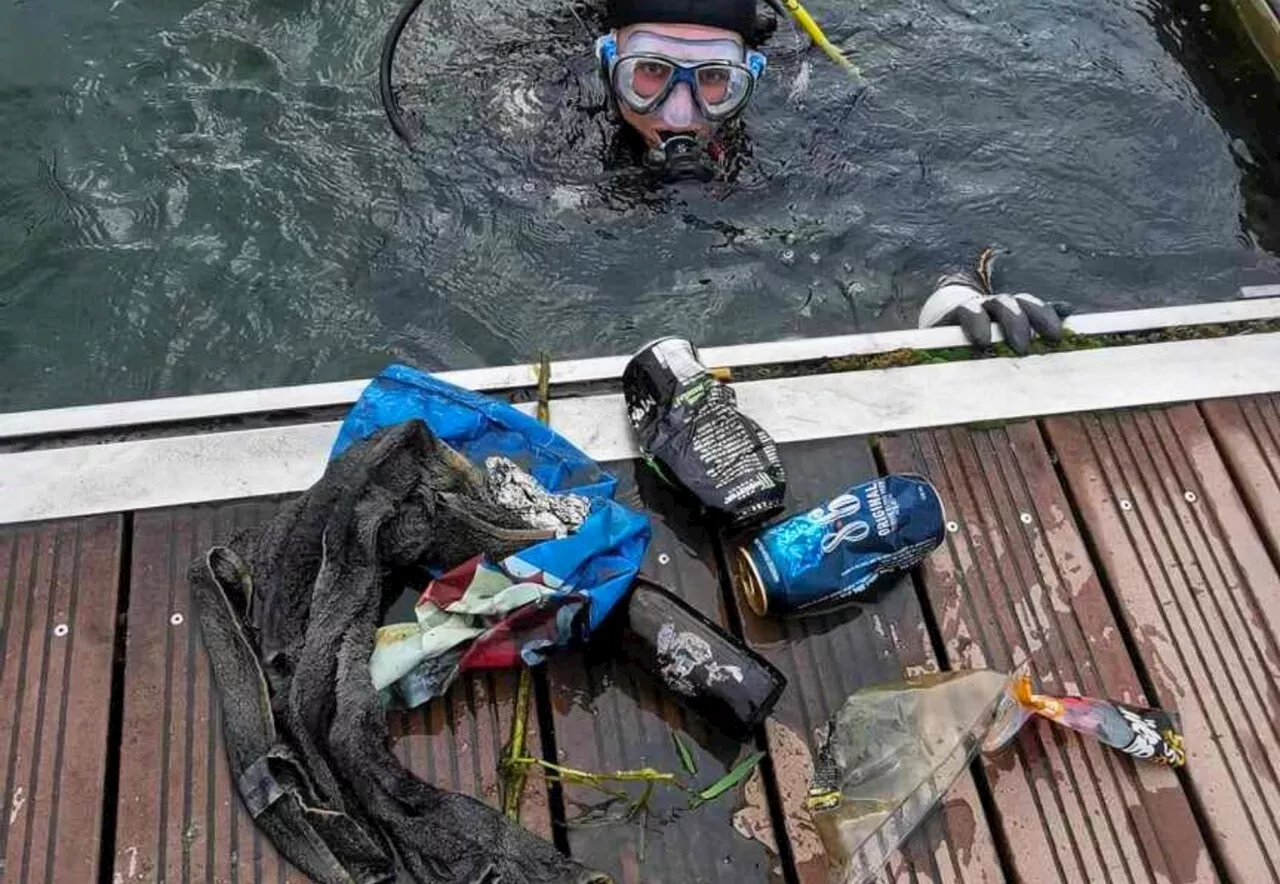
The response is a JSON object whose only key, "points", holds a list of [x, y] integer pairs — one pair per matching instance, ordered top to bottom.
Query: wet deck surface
{"points": [[1131, 555]]}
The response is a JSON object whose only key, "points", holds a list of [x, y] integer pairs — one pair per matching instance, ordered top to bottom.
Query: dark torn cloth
{"points": [[289, 612]]}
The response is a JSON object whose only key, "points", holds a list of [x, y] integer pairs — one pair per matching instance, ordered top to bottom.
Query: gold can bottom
{"points": [[748, 578]]}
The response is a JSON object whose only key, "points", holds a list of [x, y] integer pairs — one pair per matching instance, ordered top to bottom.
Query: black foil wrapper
{"points": [[691, 431]]}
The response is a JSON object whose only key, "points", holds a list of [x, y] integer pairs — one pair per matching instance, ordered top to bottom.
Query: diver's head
{"points": [[677, 71]]}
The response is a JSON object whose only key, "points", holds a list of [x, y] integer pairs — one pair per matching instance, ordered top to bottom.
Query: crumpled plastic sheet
{"points": [[889, 755]]}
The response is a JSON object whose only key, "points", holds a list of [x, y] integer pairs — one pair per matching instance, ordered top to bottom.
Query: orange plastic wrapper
{"points": [[1152, 735]]}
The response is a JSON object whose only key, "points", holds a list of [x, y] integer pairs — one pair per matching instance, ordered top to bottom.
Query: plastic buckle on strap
{"points": [[258, 786]]}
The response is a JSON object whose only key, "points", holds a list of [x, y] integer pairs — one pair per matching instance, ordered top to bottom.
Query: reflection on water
{"points": [[1243, 98], [205, 196]]}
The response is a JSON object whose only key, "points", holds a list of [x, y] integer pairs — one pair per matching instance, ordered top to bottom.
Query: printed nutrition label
{"points": [[726, 448]]}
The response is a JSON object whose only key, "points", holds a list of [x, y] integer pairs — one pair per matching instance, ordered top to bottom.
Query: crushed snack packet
{"points": [[1149, 734]]}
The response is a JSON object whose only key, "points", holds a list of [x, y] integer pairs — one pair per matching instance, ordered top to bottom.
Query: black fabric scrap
{"points": [[289, 612]]}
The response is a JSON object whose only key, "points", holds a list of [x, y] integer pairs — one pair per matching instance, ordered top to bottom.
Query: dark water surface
{"points": [[206, 196]]}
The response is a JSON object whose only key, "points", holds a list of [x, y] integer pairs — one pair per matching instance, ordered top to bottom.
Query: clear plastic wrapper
{"points": [[889, 755]]}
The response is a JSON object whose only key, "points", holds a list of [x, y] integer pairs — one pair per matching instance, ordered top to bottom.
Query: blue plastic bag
{"points": [[475, 425], [592, 568]]}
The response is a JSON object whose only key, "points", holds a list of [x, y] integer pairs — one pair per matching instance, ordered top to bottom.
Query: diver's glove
{"points": [[966, 299]]}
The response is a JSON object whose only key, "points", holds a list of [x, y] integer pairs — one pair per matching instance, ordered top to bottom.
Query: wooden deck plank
{"points": [[1248, 433], [1013, 584], [1201, 598], [57, 633], [828, 658], [610, 716], [456, 743], [179, 819]]}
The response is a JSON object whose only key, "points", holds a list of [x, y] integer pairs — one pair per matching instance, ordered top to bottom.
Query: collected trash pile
{"points": [[517, 549]]}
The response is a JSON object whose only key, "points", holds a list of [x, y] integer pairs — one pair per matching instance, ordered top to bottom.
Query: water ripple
{"points": [[205, 195]]}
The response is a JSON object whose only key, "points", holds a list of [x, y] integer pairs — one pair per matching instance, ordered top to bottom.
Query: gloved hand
{"points": [[966, 299]]}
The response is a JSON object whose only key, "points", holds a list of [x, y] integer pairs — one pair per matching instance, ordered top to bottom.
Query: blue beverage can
{"points": [[827, 557]]}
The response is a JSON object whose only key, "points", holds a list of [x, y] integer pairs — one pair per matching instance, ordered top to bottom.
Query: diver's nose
{"points": [[680, 110]]}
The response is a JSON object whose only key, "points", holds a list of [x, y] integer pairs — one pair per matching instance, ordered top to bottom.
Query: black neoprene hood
{"points": [[738, 16]]}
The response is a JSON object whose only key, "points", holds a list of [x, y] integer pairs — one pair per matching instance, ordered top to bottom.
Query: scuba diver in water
{"points": [[678, 72]]}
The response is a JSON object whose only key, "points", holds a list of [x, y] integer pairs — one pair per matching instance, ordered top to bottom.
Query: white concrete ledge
{"points": [[173, 409], [122, 476]]}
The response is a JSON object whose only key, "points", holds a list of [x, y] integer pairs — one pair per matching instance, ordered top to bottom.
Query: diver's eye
{"points": [[652, 69], [648, 78], [713, 84]]}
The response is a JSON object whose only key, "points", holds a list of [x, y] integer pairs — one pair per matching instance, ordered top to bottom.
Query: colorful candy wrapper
{"points": [[1149, 734]]}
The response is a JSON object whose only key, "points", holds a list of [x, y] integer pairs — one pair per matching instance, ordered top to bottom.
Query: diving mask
{"points": [[644, 77]]}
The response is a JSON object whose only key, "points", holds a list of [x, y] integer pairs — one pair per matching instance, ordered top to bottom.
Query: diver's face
{"points": [[679, 112]]}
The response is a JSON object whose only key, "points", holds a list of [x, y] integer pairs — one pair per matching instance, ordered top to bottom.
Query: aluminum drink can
{"points": [[831, 555]]}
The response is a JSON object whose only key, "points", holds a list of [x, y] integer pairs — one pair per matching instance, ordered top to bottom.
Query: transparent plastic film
{"points": [[889, 756]]}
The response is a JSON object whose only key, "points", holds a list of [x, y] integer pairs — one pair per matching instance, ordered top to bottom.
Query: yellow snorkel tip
{"points": [[810, 27]]}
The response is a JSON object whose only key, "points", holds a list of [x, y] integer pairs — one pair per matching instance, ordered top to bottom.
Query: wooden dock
{"points": [[1128, 547], [1130, 554]]}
